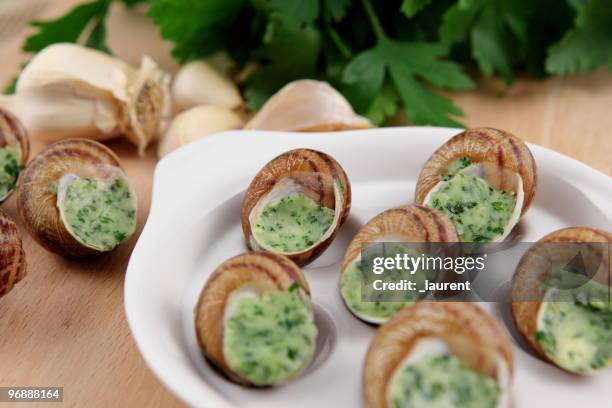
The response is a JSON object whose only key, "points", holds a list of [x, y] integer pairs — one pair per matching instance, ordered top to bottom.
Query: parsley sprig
{"points": [[381, 55]]}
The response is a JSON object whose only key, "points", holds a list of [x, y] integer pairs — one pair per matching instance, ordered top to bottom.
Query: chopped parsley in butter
{"points": [[10, 168], [480, 212], [99, 213], [292, 224], [575, 327], [269, 337], [441, 381]]}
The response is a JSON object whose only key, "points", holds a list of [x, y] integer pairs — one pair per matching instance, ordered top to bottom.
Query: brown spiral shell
{"points": [[13, 132], [481, 145], [314, 170], [37, 198], [413, 223], [12, 257], [534, 267], [264, 270], [471, 334]]}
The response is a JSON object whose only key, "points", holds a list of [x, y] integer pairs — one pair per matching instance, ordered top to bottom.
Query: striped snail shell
{"points": [[12, 135], [497, 156], [313, 174], [45, 182], [410, 224], [561, 247], [12, 257], [248, 274], [460, 329]]}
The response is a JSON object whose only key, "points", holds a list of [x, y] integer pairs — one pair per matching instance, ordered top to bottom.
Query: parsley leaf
{"points": [[411, 7], [337, 8], [294, 14], [71, 26], [197, 27], [496, 29], [588, 44], [280, 63], [406, 63], [384, 105]]}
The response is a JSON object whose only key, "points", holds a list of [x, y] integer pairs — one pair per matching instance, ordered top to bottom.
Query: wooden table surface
{"points": [[64, 325]]}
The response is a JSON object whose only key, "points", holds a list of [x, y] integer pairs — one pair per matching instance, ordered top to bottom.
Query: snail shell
{"points": [[307, 106], [12, 133], [505, 160], [317, 175], [40, 190], [409, 223], [12, 257], [535, 267], [260, 271], [463, 329]]}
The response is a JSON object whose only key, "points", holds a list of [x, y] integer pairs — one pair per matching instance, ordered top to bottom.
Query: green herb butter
{"points": [[10, 168], [480, 212], [99, 213], [292, 224], [357, 288], [575, 328], [270, 337], [440, 381]]}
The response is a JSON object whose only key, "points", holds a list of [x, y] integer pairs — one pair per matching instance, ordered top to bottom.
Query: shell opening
{"points": [[483, 200], [99, 212], [292, 217], [284, 351], [431, 362]]}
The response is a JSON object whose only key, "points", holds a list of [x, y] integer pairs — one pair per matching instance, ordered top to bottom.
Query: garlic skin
{"points": [[204, 82], [71, 91], [307, 106], [196, 123]]}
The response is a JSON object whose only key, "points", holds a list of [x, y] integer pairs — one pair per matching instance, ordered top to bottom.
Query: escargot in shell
{"points": [[14, 152], [484, 179], [75, 199], [296, 204], [406, 224], [12, 257], [560, 299], [254, 319], [438, 354]]}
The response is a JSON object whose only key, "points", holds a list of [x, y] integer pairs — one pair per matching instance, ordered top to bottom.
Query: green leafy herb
{"points": [[380, 55]]}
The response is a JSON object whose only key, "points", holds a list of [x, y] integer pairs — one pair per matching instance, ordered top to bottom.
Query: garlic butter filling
{"points": [[10, 168], [480, 212], [100, 214], [292, 223], [359, 294], [575, 328], [269, 337], [439, 381]]}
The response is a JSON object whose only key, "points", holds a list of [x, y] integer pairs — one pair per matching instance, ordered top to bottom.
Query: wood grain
{"points": [[64, 325]]}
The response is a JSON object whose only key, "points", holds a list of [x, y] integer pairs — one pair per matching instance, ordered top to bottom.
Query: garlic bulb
{"points": [[204, 83], [71, 91], [307, 106], [195, 123]]}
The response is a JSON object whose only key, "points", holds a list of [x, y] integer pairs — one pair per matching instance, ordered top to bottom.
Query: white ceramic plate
{"points": [[194, 225]]}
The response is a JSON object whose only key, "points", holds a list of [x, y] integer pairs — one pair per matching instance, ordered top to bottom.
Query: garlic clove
{"points": [[204, 82], [141, 96], [307, 106], [54, 112], [196, 123], [14, 152], [42, 201], [12, 257]]}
